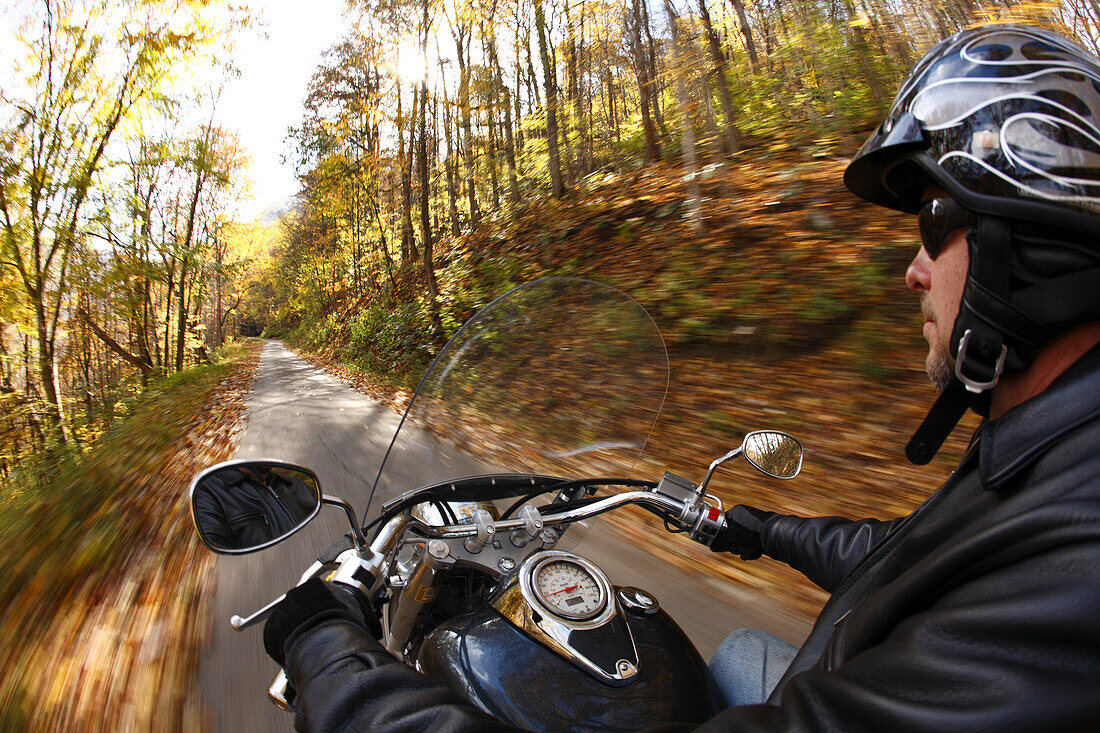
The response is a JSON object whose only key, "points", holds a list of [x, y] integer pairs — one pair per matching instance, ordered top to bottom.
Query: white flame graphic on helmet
{"points": [[1033, 142]]}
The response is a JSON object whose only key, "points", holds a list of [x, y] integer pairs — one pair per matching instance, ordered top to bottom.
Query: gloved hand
{"points": [[742, 533], [310, 604]]}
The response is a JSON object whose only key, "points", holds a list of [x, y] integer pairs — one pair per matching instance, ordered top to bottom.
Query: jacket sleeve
{"points": [[824, 549], [985, 657], [346, 681]]}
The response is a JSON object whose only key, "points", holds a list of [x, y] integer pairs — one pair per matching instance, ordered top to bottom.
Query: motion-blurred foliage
{"points": [[700, 174], [73, 512], [83, 527]]}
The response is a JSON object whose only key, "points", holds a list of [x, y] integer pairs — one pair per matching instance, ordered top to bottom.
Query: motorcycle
{"points": [[526, 428]]}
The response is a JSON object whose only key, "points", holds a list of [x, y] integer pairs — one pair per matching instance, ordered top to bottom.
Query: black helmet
{"points": [[1006, 120]]}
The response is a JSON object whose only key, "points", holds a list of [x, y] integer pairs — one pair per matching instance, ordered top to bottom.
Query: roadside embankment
{"points": [[103, 615]]}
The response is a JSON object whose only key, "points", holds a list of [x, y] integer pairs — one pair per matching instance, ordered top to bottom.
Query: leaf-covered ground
{"points": [[104, 592]]}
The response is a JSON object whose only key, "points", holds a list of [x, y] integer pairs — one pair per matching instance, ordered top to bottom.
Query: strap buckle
{"points": [[973, 385]]}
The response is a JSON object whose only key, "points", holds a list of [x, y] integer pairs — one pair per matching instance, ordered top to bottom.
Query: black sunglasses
{"points": [[937, 220]]}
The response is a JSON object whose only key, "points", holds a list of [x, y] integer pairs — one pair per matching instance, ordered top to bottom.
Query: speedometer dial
{"points": [[568, 589]]}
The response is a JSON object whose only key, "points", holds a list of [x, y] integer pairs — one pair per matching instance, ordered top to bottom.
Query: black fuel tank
{"points": [[518, 680]]}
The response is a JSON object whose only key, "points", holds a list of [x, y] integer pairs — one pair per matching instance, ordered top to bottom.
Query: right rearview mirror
{"points": [[774, 453], [244, 506]]}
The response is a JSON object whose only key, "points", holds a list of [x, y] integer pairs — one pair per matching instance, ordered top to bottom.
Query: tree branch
{"points": [[113, 345]]}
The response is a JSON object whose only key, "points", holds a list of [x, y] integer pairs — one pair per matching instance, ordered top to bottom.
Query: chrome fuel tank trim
{"points": [[518, 602]]}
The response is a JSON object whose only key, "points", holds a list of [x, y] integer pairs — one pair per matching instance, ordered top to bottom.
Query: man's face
{"points": [[939, 282]]}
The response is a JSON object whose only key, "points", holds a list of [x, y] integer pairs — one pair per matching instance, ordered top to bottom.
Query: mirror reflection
{"points": [[776, 454], [244, 506]]}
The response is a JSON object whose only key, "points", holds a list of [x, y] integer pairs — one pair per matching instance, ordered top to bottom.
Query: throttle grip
{"points": [[341, 545]]}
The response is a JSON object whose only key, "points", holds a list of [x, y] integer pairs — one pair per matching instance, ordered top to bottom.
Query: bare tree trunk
{"points": [[886, 26], [746, 33], [462, 44], [864, 58], [718, 59], [641, 68], [654, 76], [533, 86], [517, 100], [579, 111], [573, 119], [687, 131], [509, 143], [404, 154], [449, 161], [201, 172], [494, 178], [557, 187], [425, 192], [382, 243], [219, 259], [169, 284], [181, 311], [141, 363], [47, 374]]}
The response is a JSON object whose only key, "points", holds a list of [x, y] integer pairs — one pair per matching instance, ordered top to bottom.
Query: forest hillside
{"points": [[687, 151]]}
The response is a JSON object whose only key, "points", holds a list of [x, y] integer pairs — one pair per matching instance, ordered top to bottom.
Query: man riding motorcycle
{"points": [[978, 610]]}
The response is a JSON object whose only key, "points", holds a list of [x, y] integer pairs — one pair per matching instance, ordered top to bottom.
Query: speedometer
{"points": [[568, 589]]}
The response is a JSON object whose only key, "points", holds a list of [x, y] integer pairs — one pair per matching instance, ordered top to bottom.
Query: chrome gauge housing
{"points": [[546, 581], [566, 586], [566, 603]]}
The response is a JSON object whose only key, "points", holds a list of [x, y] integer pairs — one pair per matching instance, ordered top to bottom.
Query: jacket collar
{"points": [[1020, 436]]}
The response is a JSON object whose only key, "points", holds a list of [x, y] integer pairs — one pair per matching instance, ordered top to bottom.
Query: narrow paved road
{"points": [[300, 414]]}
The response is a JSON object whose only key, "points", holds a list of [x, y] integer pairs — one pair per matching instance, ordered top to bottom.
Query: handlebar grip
{"points": [[344, 543]]}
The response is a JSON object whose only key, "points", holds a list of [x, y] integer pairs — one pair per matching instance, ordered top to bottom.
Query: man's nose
{"points": [[917, 276]]}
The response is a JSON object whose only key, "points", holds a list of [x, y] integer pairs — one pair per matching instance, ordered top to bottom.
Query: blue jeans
{"points": [[748, 665]]}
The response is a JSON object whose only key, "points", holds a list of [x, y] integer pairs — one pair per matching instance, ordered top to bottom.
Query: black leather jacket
{"points": [[978, 611]]}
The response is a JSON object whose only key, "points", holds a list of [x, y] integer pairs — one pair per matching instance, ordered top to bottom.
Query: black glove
{"points": [[742, 533], [310, 604]]}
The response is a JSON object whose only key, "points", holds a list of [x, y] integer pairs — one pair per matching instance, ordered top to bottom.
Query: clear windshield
{"points": [[561, 377]]}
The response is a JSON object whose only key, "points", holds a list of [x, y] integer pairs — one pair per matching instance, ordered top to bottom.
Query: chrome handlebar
{"points": [[694, 512], [566, 517]]}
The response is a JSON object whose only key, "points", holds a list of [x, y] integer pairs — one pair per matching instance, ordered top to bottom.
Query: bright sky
{"points": [[276, 61], [267, 98]]}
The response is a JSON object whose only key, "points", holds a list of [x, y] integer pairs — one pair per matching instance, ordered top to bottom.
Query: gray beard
{"points": [[941, 369]]}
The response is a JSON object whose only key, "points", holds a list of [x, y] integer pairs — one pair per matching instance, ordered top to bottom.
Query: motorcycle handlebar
{"points": [[392, 530], [344, 543]]}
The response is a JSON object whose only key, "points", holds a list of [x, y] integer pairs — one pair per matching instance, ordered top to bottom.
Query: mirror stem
{"points": [[715, 464], [360, 540]]}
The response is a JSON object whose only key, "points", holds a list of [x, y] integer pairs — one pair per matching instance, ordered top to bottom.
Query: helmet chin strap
{"points": [[977, 338], [945, 414]]}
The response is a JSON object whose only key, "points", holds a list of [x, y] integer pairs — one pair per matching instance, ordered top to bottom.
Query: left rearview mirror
{"points": [[244, 506]]}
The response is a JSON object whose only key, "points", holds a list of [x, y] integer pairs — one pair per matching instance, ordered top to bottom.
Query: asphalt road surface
{"points": [[300, 414]]}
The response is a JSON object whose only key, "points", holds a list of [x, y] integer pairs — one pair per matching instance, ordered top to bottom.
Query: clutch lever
{"points": [[240, 624]]}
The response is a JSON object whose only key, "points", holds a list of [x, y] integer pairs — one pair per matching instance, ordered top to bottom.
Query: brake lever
{"points": [[240, 624]]}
